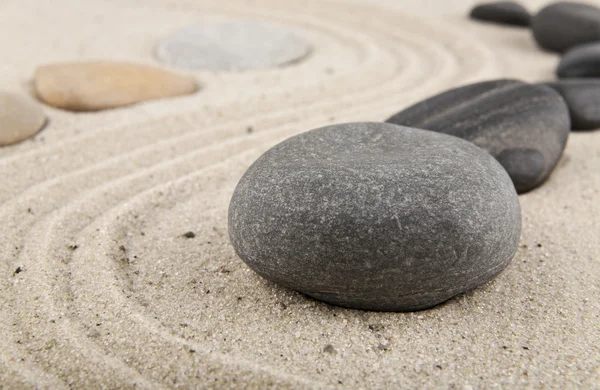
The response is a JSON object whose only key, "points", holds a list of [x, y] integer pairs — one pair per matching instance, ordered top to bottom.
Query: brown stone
{"points": [[89, 86], [20, 118]]}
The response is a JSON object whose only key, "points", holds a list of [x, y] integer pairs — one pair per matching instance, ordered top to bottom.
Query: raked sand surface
{"points": [[93, 209]]}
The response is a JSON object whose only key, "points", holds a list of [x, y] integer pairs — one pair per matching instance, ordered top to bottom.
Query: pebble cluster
{"points": [[569, 28], [104, 84], [406, 214], [396, 215]]}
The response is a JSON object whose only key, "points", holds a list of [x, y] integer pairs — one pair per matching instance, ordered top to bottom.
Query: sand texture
{"points": [[99, 289]]}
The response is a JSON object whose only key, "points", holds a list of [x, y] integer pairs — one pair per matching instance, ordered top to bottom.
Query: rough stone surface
{"points": [[502, 12], [561, 26], [228, 46], [580, 61], [89, 86], [583, 99], [20, 118], [508, 118], [376, 216]]}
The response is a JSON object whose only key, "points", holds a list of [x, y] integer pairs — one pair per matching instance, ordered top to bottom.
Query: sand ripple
{"points": [[109, 294]]}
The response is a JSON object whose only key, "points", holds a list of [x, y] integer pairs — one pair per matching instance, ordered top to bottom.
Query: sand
{"points": [[99, 288]]}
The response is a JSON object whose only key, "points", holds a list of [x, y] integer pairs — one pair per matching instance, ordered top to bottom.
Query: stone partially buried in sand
{"points": [[502, 12], [563, 25], [235, 45], [581, 61], [89, 86], [583, 99], [20, 118], [524, 126], [376, 216]]}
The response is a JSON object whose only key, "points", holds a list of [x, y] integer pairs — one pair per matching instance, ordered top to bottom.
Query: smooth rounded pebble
{"points": [[502, 12], [561, 26], [230, 46], [580, 61], [90, 86], [583, 99], [500, 116], [20, 118], [376, 216]]}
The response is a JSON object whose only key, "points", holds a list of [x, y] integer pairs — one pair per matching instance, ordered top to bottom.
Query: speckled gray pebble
{"points": [[502, 12], [563, 25], [231, 46], [581, 61], [583, 98], [499, 116], [376, 216]]}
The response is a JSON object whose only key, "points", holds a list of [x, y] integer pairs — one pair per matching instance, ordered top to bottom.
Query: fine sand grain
{"points": [[100, 288]]}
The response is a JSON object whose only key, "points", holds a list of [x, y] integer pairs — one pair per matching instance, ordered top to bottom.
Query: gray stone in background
{"points": [[502, 12], [561, 26], [230, 46], [580, 61], [583, 99], [504, 117], [20, 118], [376, 216]]}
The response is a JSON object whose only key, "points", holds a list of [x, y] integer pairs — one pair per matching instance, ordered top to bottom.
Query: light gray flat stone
{"points": [[230, 46]]}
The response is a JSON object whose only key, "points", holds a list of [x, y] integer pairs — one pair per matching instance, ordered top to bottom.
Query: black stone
{"points": [[502, 12], [561, 26], [581, 61], [583, 99], [497, 116], [523, 164], [376, 216]]}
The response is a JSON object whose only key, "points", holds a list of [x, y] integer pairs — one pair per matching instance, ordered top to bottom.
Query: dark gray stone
{"points": [[502, 12], [561, 26], [581, 61], [583, 99], [497, 116], [523, 165], [376, 216]]}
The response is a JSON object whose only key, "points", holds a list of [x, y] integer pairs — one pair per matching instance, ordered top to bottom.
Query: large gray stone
{"points": [[563, 25], [230, 46], [583, 98], [524, 126], [376, 216]]}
